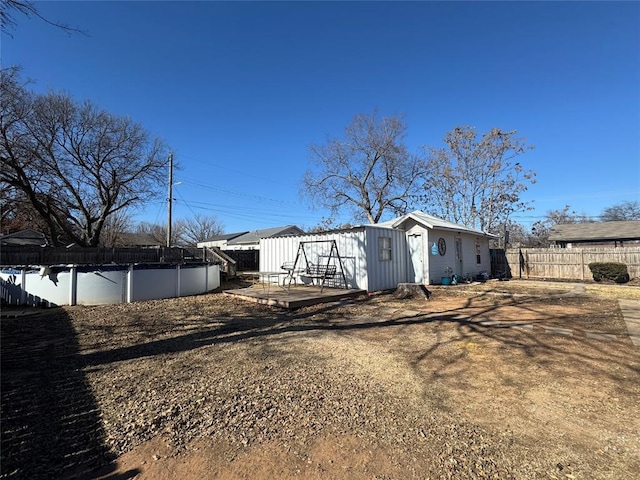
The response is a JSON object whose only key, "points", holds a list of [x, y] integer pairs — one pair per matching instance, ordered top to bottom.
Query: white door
{"points": [[459, 256], [416, 267]]}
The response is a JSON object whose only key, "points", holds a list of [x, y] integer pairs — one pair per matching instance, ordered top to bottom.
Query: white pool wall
{"points": [[104, 284]]}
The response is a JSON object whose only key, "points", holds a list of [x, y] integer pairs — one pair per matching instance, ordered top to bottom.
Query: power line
{"points": [[218, 166], [236, 193], [185, 202], [250, 212]]}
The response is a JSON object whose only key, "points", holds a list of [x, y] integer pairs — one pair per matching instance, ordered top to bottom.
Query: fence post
{"points": [[520, 263], [582, 263], [177, 280], [130, 283], [23, 284], [73, 285]]}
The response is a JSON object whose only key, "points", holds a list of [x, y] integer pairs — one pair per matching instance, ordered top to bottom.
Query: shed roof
{"points": [[432, 222], [595, 231]]}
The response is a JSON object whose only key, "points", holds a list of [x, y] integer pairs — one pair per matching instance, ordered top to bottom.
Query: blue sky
{"points": [[239, 90]]}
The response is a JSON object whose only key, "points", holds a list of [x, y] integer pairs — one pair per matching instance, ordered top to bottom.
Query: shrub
{"points": [[609, 271]]}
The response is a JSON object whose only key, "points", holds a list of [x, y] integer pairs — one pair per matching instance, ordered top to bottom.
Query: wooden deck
{"points": [[294, 297]]}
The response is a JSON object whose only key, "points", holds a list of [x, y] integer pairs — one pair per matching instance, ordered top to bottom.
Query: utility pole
{"points": [[169, 200]]}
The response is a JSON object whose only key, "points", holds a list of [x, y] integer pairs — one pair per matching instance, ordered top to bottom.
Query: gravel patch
{"points": [[441, 394]]}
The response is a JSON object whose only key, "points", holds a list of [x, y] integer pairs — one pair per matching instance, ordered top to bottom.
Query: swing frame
{"points": [[318, 271]]}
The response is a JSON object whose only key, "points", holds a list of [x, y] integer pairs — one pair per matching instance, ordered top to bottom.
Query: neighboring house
{"points": [[616, 234], [24, 237], [126, 239], [248, 240], [220, 241], [414, 248]]}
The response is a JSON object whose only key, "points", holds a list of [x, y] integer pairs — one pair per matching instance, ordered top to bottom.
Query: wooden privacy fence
{"points": [[35, 255], [246, 260], [562, 263]]}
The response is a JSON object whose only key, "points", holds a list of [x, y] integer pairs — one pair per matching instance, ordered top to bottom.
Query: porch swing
{"points": [[320, 270]]}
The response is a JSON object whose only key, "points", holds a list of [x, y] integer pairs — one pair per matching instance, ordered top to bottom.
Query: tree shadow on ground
{"points": [[468, 320], [558, 352], [51, 426]]}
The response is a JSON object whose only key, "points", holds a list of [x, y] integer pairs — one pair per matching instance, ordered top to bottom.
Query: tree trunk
{"points": [[412, 290]]}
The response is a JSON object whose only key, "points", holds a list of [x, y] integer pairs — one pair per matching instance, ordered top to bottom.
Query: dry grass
{"points": [[541, 287], [379, 387]]}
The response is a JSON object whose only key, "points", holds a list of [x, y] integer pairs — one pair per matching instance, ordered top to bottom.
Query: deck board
{"points": [[295, 297]]}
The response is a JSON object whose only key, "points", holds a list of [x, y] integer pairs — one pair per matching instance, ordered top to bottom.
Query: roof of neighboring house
{"points": [[432, 222], [595, 231], [256, 235], [226, 236], [24, 237], [126, 239]]}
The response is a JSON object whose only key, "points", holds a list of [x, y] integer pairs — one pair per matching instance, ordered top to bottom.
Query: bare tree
{"points": [[8, 9], [75, 163], [368, 172], [474, 181], [622, 211], [16, 212], [10, 218], [327, 224], [114, 226], [200, 228], [541, 229], [159, 232], [517, 234]]}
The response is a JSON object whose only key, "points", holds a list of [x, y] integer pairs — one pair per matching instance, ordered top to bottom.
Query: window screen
{"points": [[385, 248]]}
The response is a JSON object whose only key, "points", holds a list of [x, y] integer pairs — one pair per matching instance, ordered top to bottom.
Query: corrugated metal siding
{"points": [[358, 249], [276, 251], [384, 275]]}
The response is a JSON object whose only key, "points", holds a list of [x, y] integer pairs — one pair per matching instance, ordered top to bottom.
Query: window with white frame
{"points": [[384, 243], [478, 252]]}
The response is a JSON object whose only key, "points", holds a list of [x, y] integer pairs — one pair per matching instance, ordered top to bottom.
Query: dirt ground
{"points": [[513, 380]]}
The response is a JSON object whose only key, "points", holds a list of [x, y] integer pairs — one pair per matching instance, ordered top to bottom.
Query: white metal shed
{"points": [[414, 248], [437, 248], [373, 258]]}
